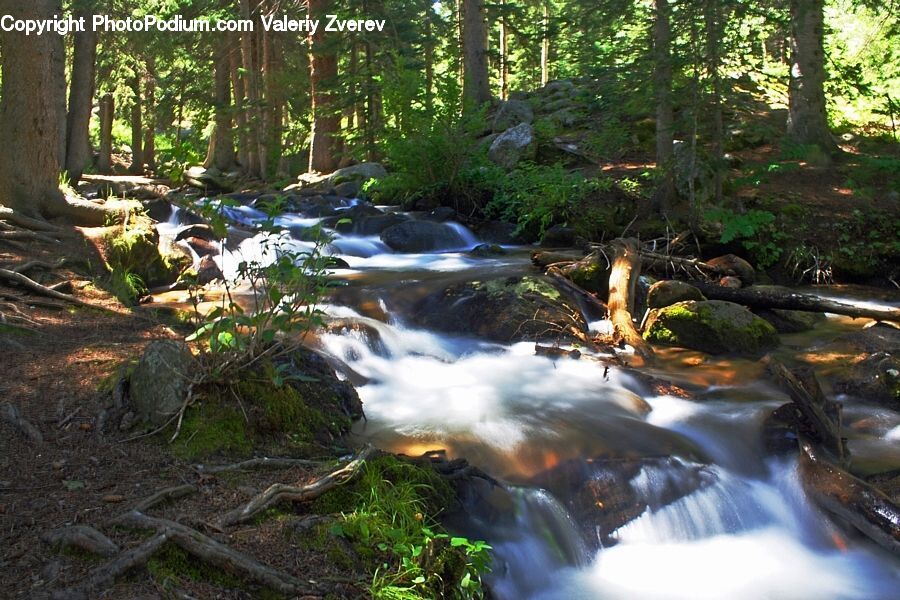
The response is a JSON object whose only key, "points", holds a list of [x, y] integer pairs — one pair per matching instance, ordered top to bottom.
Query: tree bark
{"points": [[713, 18], [545, 45], [504, 55], [58, 64], [323, 72], [250, 77], [476, 82], [237, 84], [81, 95], [107, 113], [29, 116], [665, 119], [807, 119], [137, 130], [149, 149], [222, 155], [626, 269]]}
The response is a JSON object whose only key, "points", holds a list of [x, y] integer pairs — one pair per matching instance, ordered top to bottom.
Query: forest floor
{"points": [[56, 375]]}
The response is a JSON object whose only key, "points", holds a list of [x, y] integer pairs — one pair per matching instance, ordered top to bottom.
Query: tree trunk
{"points": [[713, 17], [545, 45], [428, 47], [504, 55], [58, 65], [323, 72], [476, 82], [237, 84], [251, 91], [81, 95], [275, 98], [107, 114], [29, 116], [665, 119], [807, 119], [137, 130], [149, 149], [222, 155], [626, 269]]}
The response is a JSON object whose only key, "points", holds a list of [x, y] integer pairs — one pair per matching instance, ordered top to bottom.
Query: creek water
{"points": [[709, 515]]}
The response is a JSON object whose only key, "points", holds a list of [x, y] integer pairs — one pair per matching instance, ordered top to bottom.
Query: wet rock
{"points": [[512, 113], [513, 146], [348, 189], [158, 209], [354, 213], [372, 225], [201, 231], [497, 232], [421, 236], [558, 236], [202, 247], [138, 248], [487, 251], [336, 262], [736, 266], [208, 271], [731, 282], [669, 292], [501, 310], [791, 321], [711, 326], [875, 378], [160, 381], [603, 495]]}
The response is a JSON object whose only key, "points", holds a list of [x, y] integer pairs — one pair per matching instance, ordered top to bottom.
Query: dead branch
{"points": [[622, 281], [43, 290], [577, 291], [755, 297], [10, 413], [259, 463], [279, 492], [172, 493], [82, 537], [219, 555]]}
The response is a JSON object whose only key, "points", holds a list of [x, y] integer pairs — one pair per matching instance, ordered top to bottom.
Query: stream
{"points": [[578, 443]]}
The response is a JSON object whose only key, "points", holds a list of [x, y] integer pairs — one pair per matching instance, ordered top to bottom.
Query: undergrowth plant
{"points": [[756, 230]]}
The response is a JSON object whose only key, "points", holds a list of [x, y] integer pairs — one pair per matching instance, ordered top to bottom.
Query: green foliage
{"points": [[175, 157], [538, 197], [756, 230], [126, 285], [286, 285], [212, 428]]}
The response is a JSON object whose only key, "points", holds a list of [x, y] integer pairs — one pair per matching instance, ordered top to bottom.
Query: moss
{"points": [[520, 287], [714, 327], [122, 371], [212, 428]]}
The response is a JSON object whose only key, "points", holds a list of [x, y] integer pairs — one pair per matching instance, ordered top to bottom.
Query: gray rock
{"points": [[512, 113], [566, 117], [513, 146], [361, 172], [348, 189], [374, 224], [421, 236], [487, 251], [667, 293], [791, 321], [711, 326], [875, 378], [160, 381]]}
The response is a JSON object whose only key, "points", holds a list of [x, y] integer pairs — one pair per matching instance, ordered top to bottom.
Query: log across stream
{"points": [[614, 486]]}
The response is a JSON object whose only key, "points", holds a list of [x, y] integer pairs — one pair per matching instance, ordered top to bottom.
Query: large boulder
{"points": [[512, 113], [513, 146], [360, 173], [421, 236], [735, 266], [669, 292], [502, 310], [791, 321], [711, 326], [875, 378], [160, 381]]}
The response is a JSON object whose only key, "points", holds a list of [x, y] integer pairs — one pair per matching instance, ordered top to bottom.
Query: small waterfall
{"points": [[468, 238]]}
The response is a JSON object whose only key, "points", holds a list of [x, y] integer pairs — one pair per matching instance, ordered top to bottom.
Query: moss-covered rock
{"points": [[135, 248], [502, 310], [791, 321], [711, 326], [160, 381]]}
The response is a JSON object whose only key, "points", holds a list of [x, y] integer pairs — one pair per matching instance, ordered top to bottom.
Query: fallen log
{"points": [[626, 269], [576, 291], [756, 297], [822, 415], [850, 500]]}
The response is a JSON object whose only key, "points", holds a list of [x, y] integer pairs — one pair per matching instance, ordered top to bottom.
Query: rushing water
{"points": [[719, 520]]}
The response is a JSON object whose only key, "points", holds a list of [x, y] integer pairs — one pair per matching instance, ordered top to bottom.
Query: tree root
{"points": [[11, 216], [23, 235], [39, 264], [35, 287], [10, 413], [259, 463], [279, 492], [172, 493], [82, 537], [217, 554]]}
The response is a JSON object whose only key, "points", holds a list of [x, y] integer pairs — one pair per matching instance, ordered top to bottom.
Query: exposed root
{"points": [[11, 216], [21, 234], [39, 264], [35, 287], [10, 413], [259, 463], [280, 492], [172, 493], [82, 537], [219, 555]]}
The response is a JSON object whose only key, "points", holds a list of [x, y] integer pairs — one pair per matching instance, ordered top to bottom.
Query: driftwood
{"points": [[622, 281], [786, 300], [10, 413], [821, 414], [280, 492], [850, 499], [82, 537], [219, 555]]}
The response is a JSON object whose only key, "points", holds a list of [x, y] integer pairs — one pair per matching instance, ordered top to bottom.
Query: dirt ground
{"points": [[53, 373]]}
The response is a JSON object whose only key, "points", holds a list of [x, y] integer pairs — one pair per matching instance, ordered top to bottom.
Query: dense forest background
{"points": [[666, 108]]}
